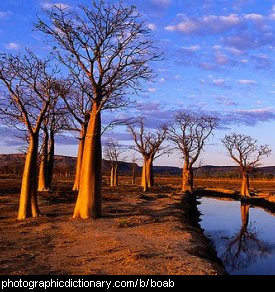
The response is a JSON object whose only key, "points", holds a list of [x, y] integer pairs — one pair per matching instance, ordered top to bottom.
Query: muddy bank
{"points": [[139, 234]]}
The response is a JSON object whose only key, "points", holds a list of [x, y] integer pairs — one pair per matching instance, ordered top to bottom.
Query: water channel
{"points": [[243, 235]]}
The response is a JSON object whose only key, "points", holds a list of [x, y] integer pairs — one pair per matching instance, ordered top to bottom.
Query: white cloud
{"points": [[161, 2], [58, 5], [254, 17], [207, 24], [152, 26], [12, 46], [192, 48], [219, 82], [247, 82], [152, 90]]}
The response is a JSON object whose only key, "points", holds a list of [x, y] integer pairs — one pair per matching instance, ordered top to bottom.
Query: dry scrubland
{"points": [[151, 233]]}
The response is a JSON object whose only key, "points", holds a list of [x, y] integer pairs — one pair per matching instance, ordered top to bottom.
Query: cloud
{"points": [[161, 2], [52, 5], [3, 14], [254, 17], [209, 24], [152, 26], [12, 46], [191, 49], [219, 82], [247, 82], [152, 90], [250, 117]]}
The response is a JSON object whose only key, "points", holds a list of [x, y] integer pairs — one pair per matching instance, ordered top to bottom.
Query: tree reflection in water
{"points": [[245, 247]]}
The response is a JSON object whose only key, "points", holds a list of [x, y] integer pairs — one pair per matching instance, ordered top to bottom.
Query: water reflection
{"points": [[243, 235], [245, 247]]}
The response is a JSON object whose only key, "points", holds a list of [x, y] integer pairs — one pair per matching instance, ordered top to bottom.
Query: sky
{"points": [[218, 58]]}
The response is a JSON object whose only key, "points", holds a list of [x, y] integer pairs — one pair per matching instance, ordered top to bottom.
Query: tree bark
{"points": [[79, 158], [50, 160], [43, 169], [133, 173], [116, 175], [112, 177], [147, 178], [187, 178], [245, 185], [89, 196], [28, 206]]}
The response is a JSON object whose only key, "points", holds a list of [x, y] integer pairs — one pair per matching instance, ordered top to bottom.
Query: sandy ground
{"points": [[138, 234]]}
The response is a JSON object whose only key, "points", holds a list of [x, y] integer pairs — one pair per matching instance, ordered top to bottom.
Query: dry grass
{"points": [[139, 233]]}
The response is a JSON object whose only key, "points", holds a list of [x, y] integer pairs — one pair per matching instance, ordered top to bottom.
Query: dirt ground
{"points": [[144, 234]]}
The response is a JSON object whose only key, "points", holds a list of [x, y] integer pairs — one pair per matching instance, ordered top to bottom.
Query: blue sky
{"points": [[218, 57]]}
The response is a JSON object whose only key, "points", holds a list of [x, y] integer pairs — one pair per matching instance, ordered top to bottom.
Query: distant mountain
{"points": [[12, 164]]}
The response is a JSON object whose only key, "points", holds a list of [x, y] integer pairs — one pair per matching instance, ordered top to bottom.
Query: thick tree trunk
{"points": [[79, 158], [51, 160], [43, 169], [116, 175], [112, 177], [147, 178], [187, 178], [245, 185], [89, 196], [28, 206]]}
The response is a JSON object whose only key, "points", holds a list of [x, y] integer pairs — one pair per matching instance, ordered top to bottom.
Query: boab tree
{"points": [[107, 47], [29, 86], [78, 103], [54, 123], [189, 133], [149, 146], [113, 152], [247, 154], [134, 169]]}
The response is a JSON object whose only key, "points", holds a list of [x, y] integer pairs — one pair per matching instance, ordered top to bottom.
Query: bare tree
{"points": [[107, 46], [29, 85], [78, 104], [54, 123], [189, 134], [149, 146], [113, 152], [247, 154], [43, 169], [134, 169]]}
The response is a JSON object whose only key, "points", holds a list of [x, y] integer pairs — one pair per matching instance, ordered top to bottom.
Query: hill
{"points": [[12, 164]]}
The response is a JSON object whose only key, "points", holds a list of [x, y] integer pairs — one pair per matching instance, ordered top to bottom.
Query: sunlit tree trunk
{"points": [[79, 158], [50, 160], [43, 169], [116, 175], [112, 176], [147, 178], [187, 178], [144, 181], [245, 185], [89, 196], [28, 206]]}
